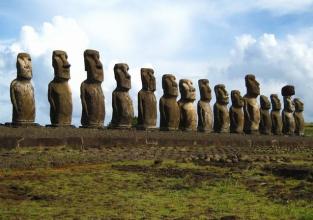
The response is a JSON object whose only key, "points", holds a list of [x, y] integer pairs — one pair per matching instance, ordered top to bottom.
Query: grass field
{"points": [[61, 183], [145, 190]]}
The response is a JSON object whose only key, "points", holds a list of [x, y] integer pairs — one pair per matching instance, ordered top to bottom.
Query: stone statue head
{"points": [[61, 65], [24, 66], [93, 66], [122, 76], [148, 79], [169, 85], [253, 87], [186, 89], [205, 90], [288, 90], [221, 94], [236, 99], [264, 102], [276, 105], [299, 106]]}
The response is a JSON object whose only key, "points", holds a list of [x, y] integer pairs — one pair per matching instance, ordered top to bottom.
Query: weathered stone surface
{"points": [[288, 90], [59, 91], [22, 92], [92, 98], [122, 104], [147, 105], [168, 106], [251, 107], [289, 108], [236, 113], [188, 114], [205, 114], [221, 114], [298, 115], [265, 119], [277, 124], [153, 141]]}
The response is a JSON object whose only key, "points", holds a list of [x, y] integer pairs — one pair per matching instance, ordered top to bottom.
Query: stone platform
{"points": [[84, 138]]}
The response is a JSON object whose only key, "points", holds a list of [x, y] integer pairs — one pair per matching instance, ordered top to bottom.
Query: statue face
{"points": [[61, 65], [24, 66], [93, 66], [122, 76], [148, 79], [169, 85], [253, 87], [205, 90], [187, 91], [221, 94], [236, 98], [264, 102], [275, 102], [289, 106], [299, 106]]}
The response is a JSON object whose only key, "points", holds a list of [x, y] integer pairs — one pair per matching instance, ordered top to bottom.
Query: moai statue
{"points": [[59, 91], [22, 93], [91, 94], [122, 104], [147, 105], [168, 106], [251, 107], [289, 108], [188, 113], [236, 113], [205, 114], [221, 114], [298, 115], [265, 121], [277, 124]]}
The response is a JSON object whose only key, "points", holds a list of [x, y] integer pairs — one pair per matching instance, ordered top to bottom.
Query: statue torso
{"points": [[62, 98], [94, 99], [25, 101], [147, 108], [124, 113], [171, 113], [221, 113], [251, 115], [188, 119], [206, 122]]}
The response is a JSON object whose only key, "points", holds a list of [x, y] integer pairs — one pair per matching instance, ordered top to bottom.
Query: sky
{"points": [[221, 40]]}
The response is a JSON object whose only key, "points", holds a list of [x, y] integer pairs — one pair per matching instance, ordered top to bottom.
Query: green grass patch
{"points": [[152, 192]]}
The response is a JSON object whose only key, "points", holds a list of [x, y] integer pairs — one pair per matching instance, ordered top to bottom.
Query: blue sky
{"points": [[220, 40]]}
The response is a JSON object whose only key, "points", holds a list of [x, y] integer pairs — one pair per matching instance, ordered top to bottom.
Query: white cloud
{"points": [[61, 33], [156, 35], [128, 42], [275, 62]]}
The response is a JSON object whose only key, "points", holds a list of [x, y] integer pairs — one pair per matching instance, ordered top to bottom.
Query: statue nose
{"points": [[66, 65], [99, 65]]}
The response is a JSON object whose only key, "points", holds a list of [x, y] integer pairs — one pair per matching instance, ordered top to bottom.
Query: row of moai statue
{"points": [[244, 115]]}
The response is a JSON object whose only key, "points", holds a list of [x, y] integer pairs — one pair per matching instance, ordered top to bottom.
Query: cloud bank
{"points": [[164, 37]]}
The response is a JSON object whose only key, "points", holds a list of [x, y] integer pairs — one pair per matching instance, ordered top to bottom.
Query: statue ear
{"points": [[185, 86]]}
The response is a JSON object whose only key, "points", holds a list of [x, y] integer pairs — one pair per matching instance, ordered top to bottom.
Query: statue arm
{"points": [[12, 96], [50, 98], [83, 98], [114, 107], [247, 110], [141, 111], [162, 111], [201, 114], [216, 117], [232, 118]]}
